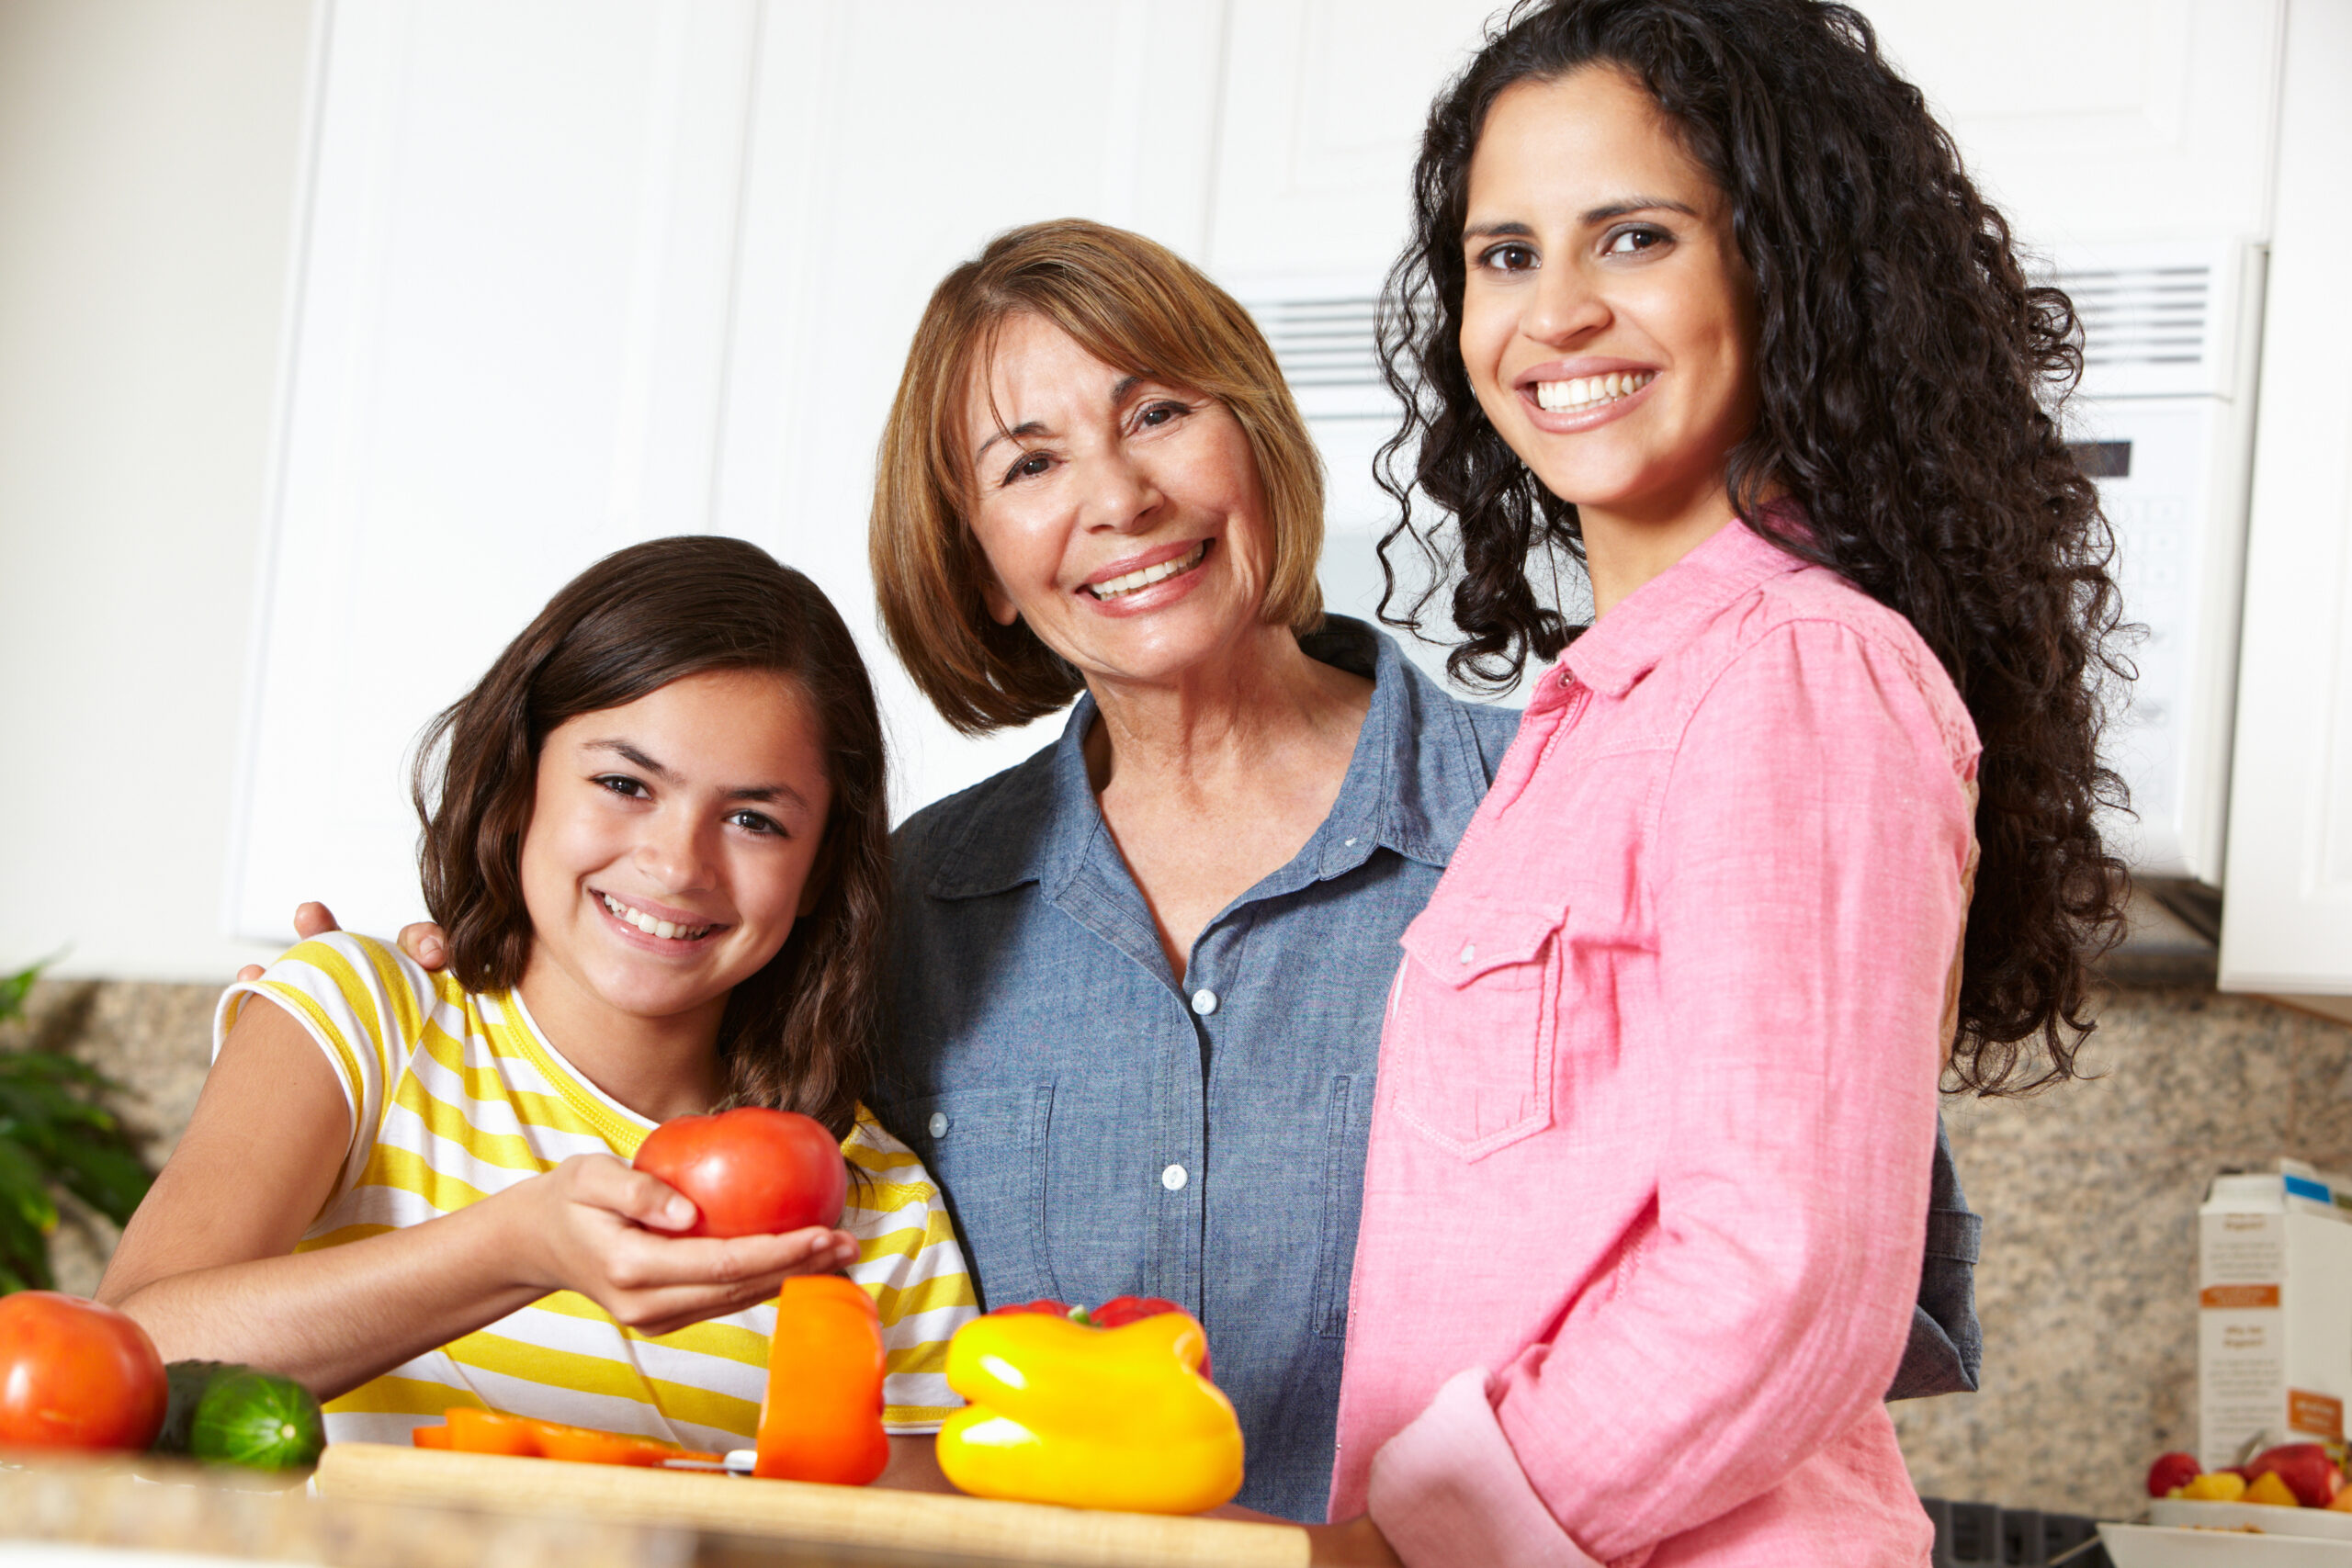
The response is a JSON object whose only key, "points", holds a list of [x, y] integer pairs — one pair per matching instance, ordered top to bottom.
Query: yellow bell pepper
{"points": [[1063, 1412]]}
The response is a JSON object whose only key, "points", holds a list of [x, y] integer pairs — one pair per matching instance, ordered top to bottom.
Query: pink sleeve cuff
{"points": [[1448, 1490]]}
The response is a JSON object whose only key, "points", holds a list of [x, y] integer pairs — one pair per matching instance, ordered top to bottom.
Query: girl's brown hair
{"points": [[1134, 305], [802, 1033]]}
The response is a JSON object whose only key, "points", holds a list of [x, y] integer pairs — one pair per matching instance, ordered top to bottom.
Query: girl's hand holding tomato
{"points": [[628, 1242], [76, 1375]]}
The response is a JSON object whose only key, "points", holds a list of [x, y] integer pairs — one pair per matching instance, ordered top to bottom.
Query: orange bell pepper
{"points": [[822, 1417], [436, 1436]]}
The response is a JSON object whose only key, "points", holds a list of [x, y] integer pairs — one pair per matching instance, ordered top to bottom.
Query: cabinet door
{"points": [[1323, 104], [2096, 120], [577, 273], [507, 351], [2287, 920]]}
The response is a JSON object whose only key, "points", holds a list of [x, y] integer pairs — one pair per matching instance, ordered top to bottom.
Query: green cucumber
{"points": [[186, 1381], [256, 1420]]}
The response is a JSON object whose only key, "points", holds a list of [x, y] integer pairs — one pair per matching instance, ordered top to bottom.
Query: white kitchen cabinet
{"points": [[1323, 108], [2093, 121], [575, 273], [507, 356], [2287, 916]]}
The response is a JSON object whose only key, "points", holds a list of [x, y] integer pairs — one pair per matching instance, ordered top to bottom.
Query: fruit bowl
{"points": [[2312, 1524], [2164, 1546]]}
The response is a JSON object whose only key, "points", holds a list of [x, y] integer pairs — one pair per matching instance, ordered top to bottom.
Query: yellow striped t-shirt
{"points": [[454, 1096]]}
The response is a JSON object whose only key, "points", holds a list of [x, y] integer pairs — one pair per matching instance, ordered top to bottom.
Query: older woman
{"points": [[1139, 976]]}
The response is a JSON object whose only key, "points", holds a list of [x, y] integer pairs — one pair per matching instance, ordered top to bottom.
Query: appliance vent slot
{"points": [[2141, 315], [1323, 343]]}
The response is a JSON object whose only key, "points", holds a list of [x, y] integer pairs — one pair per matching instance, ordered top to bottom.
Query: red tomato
{"points": [[750, 1172], [1045, 1305], [76, 1375]]}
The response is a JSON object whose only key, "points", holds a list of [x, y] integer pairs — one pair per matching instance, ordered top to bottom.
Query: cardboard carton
{"points": [[2273, 1295]]}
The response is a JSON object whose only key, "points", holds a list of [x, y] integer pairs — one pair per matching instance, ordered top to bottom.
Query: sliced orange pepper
{"points": [[822, 1417], [475, 1431], [494, 1432], [585, 1445], [588, 1445]]}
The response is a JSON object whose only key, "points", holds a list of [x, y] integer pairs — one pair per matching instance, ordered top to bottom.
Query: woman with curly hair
{"points": [[1699, 296]]}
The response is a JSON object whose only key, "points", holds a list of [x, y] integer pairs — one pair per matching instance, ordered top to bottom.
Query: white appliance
{"points": [[2164, 422]]}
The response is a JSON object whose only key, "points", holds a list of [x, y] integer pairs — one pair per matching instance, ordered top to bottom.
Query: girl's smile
{"points": [[671, 847], [668, 929]]}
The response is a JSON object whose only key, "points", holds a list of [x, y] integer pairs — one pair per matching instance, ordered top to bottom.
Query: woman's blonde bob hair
{"points": [[1136, 306]]}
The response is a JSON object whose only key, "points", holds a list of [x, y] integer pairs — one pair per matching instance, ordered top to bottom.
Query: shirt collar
{"points": [[1671, 608], [1414, 781]]}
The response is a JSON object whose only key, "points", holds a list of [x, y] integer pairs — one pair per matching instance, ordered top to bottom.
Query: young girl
{"points": [[1698, 292], [655, 838]]}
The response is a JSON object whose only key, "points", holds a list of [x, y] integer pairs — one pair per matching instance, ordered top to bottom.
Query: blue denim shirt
{"points": [[1102, 1127]]}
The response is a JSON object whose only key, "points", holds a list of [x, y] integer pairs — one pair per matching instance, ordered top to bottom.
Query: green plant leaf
{"points": [[17, 987], [49, 1067], [46, 1105], [55, 1133], [110, 1180], [24, 1188], [24, 1235]]}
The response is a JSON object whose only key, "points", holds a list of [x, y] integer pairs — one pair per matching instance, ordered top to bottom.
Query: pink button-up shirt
{"points": [[1643, 1209]]}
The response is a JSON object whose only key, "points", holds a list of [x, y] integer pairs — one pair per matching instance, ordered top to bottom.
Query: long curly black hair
{"points": [[1908, 378]]}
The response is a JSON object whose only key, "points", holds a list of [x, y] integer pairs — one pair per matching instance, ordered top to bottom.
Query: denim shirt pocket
{"points": [[1472, 1024], [986, 1149]]}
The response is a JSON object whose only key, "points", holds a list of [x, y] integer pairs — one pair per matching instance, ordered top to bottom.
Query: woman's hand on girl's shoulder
{"points": [[422, 942], [597, 1225]]}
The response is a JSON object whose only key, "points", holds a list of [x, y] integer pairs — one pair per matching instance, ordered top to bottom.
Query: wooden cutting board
{"points": [[798, 1511]]}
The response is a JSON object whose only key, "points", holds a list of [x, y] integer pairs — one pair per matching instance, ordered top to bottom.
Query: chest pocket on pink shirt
{"points": [[1468, 1052]]}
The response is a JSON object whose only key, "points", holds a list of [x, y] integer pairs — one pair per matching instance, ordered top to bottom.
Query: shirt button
{"points": [[1351, 843], [1469, 952], [1203, 1003], [939, 1123], [1173, 1178]]}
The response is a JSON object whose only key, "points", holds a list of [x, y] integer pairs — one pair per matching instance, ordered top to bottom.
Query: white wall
{"points": [[147, 170]]}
